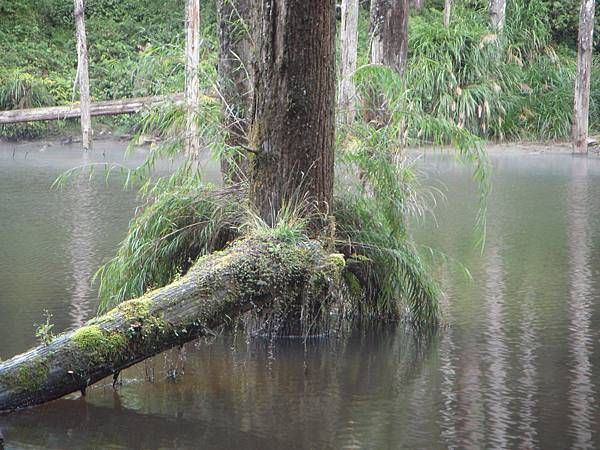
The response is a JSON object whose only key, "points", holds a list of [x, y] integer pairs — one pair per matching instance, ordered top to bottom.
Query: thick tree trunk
{"points": [[447, 12], [497, 14], [389, 33], [349, 46], [83, 76], [582, 78], [192, 84], [235, 84], [293, 119], [252, 275]]}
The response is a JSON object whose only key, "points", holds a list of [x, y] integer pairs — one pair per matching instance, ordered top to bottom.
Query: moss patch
{"points": [[98, 345], [29, 376]]}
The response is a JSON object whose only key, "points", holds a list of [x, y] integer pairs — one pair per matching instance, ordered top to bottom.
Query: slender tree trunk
{"points": [[419, 4], [447, 12], [497, 14], [389, 33], [349, 46], [83, 76], [582, 78], [192, 84], [235, 84], [293, 119], [252, 275]]}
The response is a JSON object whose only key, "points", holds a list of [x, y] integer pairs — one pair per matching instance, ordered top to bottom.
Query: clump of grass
{"points": [[176, 225]]}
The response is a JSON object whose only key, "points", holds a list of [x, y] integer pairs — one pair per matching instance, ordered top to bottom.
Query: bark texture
{"points": [[447, 12], [497, 14], [389, 33], [349, 47], [82, 75], [582, 79], [235, 83], [192, 84], [293, 117], [252, 275]]}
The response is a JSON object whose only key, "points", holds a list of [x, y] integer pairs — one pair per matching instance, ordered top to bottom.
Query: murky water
{"points": [[519, 367]]}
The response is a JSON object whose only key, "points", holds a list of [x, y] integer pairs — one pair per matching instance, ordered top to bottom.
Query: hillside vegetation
{"points": [[511, 87]]}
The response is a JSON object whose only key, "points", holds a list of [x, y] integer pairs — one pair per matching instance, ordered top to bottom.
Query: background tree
{"points": [[447, 12], [497, 14], [389, 33], [349, 49], [82, 75], [583, 77], [192, 84]]}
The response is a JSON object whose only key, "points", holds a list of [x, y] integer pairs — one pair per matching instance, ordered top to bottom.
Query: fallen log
{"points": [[105, 108], [287, 280]]}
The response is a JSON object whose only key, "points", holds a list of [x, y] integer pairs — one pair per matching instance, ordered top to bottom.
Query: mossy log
{"points": [[288, 280]]}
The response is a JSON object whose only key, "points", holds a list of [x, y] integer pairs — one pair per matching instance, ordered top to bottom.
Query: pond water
{"points": [[518, 367]]}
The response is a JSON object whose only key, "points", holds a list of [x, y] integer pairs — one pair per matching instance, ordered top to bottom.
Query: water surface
{"points": [[518, 367]]}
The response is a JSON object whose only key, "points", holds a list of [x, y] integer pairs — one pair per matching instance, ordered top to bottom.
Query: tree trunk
{"points": [[419, 4], [447, 12], [497, 14], [389, 33], [349, 46], [83, 76], [582, 78], [192, 84], [235, 84], [293, 119], [252, 275]]}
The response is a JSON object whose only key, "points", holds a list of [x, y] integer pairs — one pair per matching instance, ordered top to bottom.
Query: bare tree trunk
{"points": [[419, 4], [447, 12], [497, 14], [389, 33], [349, 46], [83, 76], [582, 78], [192, 84], [235, 84], [293, 119], [252, 275]]}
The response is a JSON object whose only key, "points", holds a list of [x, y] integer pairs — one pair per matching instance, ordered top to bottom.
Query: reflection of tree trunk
{"points": [[349, 49], [583, 76], [235, 85], [82, 252], [250, 275], [581, 389], [497, 398]]}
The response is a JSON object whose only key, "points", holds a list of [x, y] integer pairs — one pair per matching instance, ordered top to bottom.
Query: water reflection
{"points": [[81, 249], [515, 369], [581, 390], [497, 398]]}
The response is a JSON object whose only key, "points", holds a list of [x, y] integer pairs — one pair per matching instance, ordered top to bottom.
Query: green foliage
{"points": [[510, 86], [178, 223], [43, 332]]}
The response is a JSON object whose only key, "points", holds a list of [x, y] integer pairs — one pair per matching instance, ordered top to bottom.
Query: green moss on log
{"points": [[97, 345], [29, 376]]}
